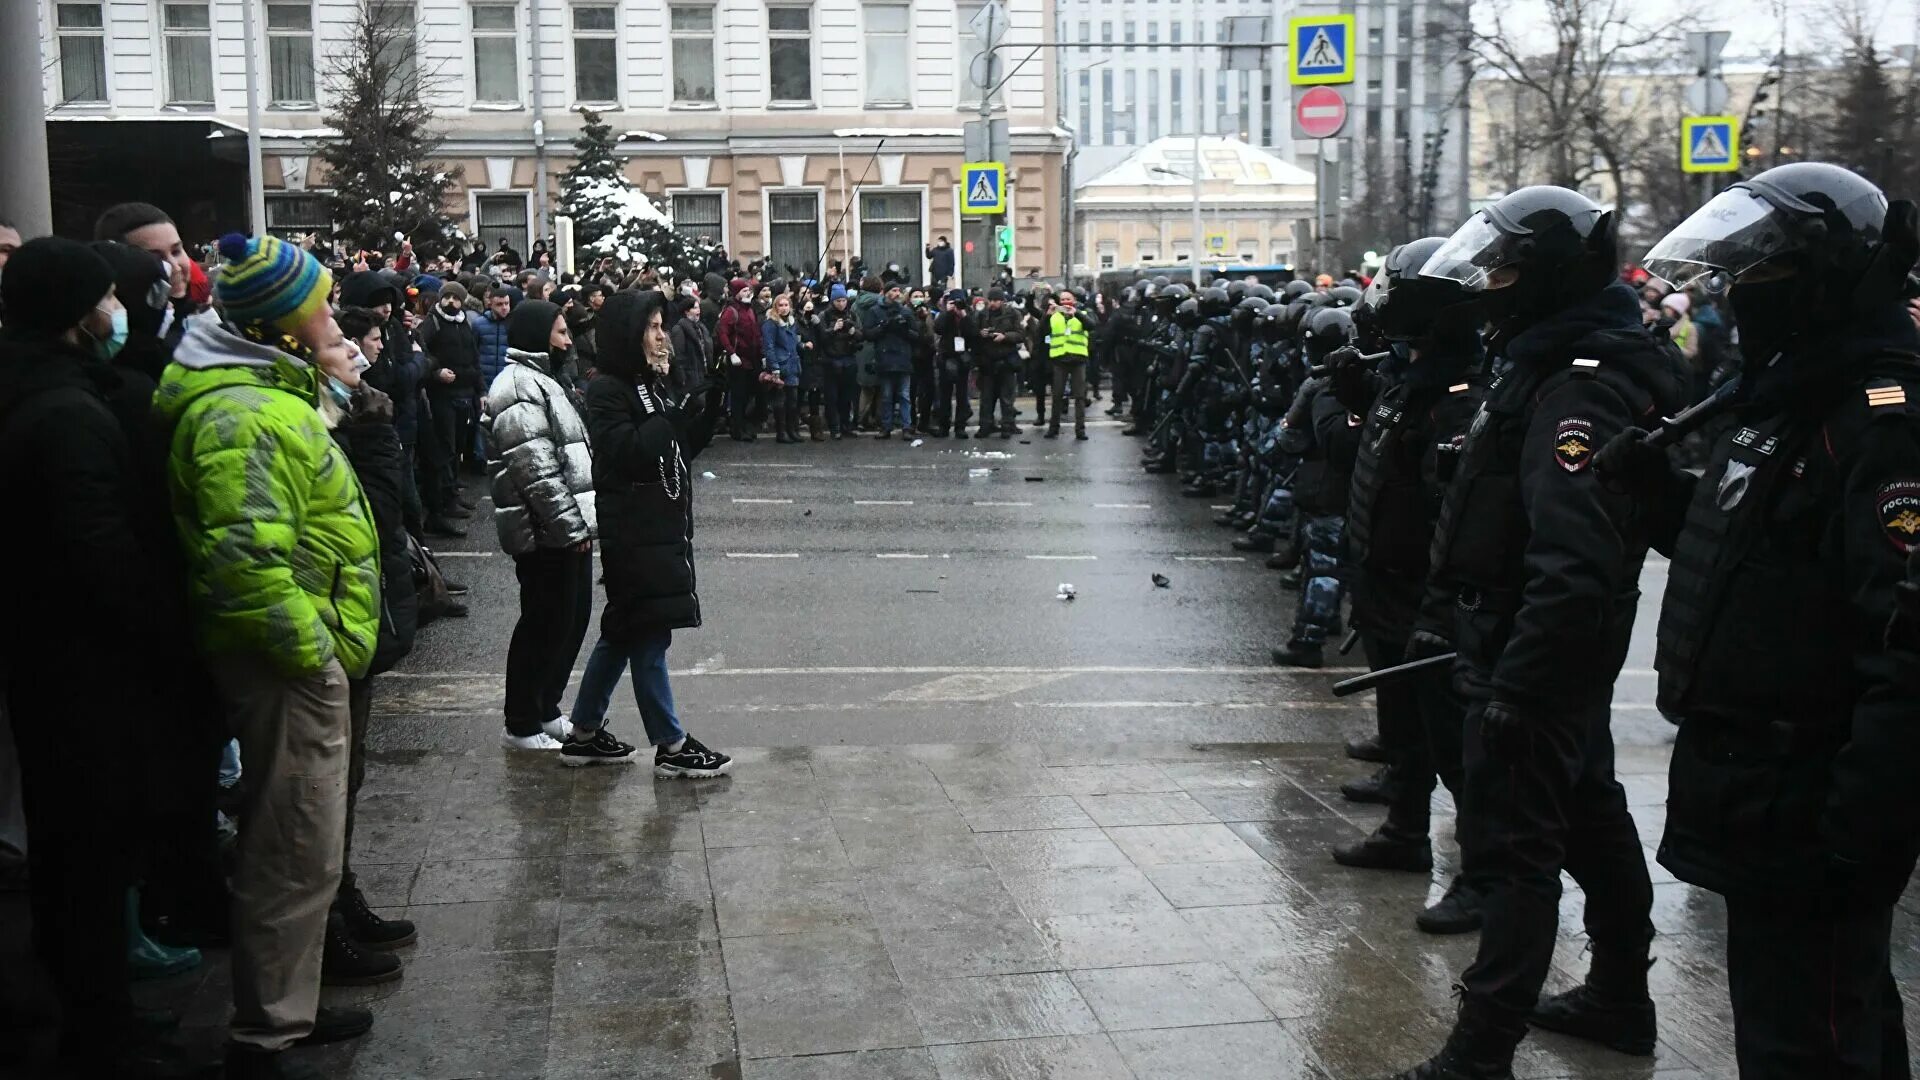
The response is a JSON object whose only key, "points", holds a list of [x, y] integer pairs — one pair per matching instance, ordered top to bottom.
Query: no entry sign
{"points": [[1320, 113]]}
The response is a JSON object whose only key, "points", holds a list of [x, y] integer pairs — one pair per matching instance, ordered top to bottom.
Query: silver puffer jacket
{"points": [[542, 464]]}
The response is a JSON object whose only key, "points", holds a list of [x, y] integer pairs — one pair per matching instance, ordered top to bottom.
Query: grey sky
{"points": [[1755, 31]]}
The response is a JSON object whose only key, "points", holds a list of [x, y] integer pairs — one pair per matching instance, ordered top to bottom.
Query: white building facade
{"points": [[797, 129]]}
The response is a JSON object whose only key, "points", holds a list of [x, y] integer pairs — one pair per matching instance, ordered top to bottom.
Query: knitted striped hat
{"points": [[268, 281]]}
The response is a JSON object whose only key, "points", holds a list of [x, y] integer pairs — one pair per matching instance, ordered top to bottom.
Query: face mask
{"points": [[919, 302], [1768, 315], [117, 339], [340, 392]]}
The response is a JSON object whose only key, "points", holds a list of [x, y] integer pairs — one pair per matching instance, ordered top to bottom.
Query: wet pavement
{"points": [[973, 832]]}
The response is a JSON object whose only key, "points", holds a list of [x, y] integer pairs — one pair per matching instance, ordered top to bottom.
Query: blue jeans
{"points": [[896, 402], [647, 653]]}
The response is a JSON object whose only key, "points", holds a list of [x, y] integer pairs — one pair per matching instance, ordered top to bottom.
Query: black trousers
{"points": [[997, 385], [743, 390], [842, 394], [953, 401], [787, 420], [439, 451], [556, 603], [359, 713], [1548, 804], [81, 846], [1812, 992]]}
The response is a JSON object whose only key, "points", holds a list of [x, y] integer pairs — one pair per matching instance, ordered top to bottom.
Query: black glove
{"points": [[1348, 371], [1628, 464], [1425, 643], [1503, 732]]}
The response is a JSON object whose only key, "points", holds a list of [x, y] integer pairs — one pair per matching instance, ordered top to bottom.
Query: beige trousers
{"points": [[294, 737]]}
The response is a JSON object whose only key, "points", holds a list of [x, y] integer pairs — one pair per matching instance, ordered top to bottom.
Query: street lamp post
{"points": [[1192, 178]]}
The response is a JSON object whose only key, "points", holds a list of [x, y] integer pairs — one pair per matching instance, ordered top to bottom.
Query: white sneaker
{"points": [[559, 727], [538, 741]]}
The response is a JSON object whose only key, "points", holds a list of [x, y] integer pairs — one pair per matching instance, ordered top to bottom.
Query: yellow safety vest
{"points": [[1066, 337]]}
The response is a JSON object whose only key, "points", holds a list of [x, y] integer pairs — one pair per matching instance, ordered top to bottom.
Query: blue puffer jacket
{"points": [[493, 345], [780, 346]]}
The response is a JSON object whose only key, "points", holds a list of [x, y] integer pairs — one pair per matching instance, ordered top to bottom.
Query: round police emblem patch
{"points": [[1898, 507]]}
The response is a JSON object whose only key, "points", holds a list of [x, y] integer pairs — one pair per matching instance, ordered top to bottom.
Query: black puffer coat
{"points": [[373, 446], [642, 447]]}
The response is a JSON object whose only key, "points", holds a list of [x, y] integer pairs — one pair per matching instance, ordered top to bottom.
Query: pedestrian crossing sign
{"points": [[1319, 49], [1710, 144], [983, 187]]}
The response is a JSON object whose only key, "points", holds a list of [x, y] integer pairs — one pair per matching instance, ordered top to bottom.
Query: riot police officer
{"points": [[1416, 420], [1326, 436], [1534, 578], [1792, 788]]}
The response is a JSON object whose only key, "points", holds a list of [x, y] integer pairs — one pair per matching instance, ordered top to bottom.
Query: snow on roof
{"points": [[887, 133], [648, 136], [1168, 162]]}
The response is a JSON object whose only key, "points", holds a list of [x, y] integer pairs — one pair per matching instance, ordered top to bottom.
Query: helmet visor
{"points": [[1730, 239], [1476, 256]]}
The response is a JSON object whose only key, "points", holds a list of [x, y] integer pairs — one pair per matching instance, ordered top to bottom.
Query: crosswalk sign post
{"points": [[1319, 49], [1710, 144], [983, 187]]}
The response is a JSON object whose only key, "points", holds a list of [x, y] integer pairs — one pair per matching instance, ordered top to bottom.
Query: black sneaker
{"points": [[440, 528], [455, 588], [1298, 655], [1367, 748], [602, 749], [693, 761], [1382, 788], [1377, 852], [1458, 912], [366, 926], [345, 962], [1583, 1013], [336, 1023], [253, 1063]]}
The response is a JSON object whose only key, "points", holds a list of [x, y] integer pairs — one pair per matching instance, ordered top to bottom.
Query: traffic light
{"points": [[1003, 244]]}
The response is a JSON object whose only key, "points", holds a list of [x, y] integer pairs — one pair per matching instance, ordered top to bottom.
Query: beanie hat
{"points": [[268, 281], [51, 283], [428, 285], [734, 286], [453, 290], [838, 292], [996, 294], [956, 296], [1676, 303], [530, 327]]}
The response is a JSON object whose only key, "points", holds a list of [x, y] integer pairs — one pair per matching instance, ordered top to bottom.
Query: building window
{"points": [[1175, 30], [1153, 33], [189, 36], [1106, 36], [1086, 37], [889, 44], [596, 49], [83, 52], [790, 53], [290, 54], [400, 54], [693, 54], [496, 66], [1173, 102], [1107, 105], [1153, 105], [1086, 106], [1130, 108], [294, 214], [697, 214], [501, 217], [793, 231], [890, 231], [1182, 251], [1149, 253], [1109, 254]]}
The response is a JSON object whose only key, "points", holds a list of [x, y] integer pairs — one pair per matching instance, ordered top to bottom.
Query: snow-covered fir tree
{"points": [[613, 218]]}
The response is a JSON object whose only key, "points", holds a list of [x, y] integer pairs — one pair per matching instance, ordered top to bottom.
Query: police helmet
{"points": [[1826, 228], [1532, 253], [1161, 281], [1261, 290], [1293, 290], [1236, 291], [1174, 293], [1343, 296], [1214, 300], [1402, 305], [1248, 309], [1297, 311], [1188, 313], [1273, 321], [1328, 329]]}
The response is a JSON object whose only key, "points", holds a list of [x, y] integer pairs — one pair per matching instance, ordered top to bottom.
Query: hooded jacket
{"points": [[895, 331], [739, 332], [491, 333], [780, 343], [451, 345], [692, 352], [399, 371], [536, 444], [373, 446], [280, 545]]}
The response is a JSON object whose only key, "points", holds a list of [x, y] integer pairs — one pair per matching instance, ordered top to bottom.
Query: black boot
{"points": [[1199, 489], [440, 528], [1254, 541], [1284, 557], [1293, 579], [1300, 655], [1367, 748], [1382, 787], [1378, 851], [1458, 912], [365, 925], [346, 962], [1611, 1008], [1476, 1050]]}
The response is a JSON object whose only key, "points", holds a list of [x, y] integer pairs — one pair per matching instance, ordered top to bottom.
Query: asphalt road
{"points": [[874, 592]]}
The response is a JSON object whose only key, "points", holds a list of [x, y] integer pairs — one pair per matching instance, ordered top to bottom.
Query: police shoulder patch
{"points": [[1573, 443], [1898, 507]]}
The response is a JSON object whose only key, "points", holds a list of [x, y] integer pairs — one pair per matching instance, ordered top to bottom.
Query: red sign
{"points": [[1321, 112], [968, 247]]}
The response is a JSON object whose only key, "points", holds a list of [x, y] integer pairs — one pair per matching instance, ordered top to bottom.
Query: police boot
{"points": [[1133, 430], [1158, 465], [1201, 488], [1226, 520], [1255, 541], [1285, 558], [1293, 579], [1300, 654], [1367, 748], [1382, 787], [1381, 850], [1458, 912], [1611, 1008], [1470, 1054]]}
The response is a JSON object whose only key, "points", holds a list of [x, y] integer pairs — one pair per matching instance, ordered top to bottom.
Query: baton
{"points": [[1322, 369], [1690, 419], [1353, 637], [1349, 687]]}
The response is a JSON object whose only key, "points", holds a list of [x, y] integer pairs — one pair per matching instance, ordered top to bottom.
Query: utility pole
{"points": [[984, 140], [1199, 167], [256, 183], [25, 196], [543, 220]]}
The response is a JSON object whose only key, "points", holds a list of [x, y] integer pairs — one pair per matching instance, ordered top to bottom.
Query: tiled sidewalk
{"points": [[1158, 912]]}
